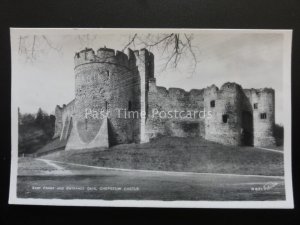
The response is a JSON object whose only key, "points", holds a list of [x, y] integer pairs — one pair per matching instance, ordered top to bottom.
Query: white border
{"points": [[288, 203]]}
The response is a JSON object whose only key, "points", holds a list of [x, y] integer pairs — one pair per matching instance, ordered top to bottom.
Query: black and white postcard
{"points": [[193, 118]]}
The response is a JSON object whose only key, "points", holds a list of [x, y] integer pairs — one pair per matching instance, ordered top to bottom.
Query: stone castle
{"points": [[106, 80]]}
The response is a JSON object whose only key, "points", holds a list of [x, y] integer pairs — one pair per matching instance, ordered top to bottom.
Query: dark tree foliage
{"points": [[40, 117], [35, 130], [279, 134]]}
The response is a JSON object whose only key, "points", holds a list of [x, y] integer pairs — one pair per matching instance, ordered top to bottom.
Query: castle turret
{"points": [[145, 64], [107, 83], [91, 90], [263, 104], [224, 125]]}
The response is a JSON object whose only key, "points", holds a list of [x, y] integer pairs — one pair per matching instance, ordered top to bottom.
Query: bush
{"points": [[35, 130], [279, 134]]}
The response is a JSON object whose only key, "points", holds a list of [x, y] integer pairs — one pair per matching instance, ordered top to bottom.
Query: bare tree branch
{"points": [[130, 42], [157, 42], [50, 44], [33, 45], [172, 45], [174, 48], [191, 51]]}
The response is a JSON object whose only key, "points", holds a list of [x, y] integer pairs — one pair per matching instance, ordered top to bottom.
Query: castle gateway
{"points": [[109, 81]]}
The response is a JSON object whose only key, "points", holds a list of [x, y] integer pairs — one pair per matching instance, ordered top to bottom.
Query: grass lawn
{"points": [[180, 154]]}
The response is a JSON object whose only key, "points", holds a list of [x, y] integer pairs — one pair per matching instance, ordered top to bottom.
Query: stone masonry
{"points": [[108, 81]]}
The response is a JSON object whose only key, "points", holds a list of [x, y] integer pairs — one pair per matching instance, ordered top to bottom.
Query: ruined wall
{"points": [[113, 82], [107, 83], [163, 100], [263, 105], [68, 112], [62, 118], [58, 122], [225, 124], [245, 124]]}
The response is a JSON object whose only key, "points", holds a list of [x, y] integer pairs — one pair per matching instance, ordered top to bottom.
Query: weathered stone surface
{"points": [[109, 81], [101, 139]]}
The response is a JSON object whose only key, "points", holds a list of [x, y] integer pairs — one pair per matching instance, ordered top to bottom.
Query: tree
{"points": [[33, 46], [174, 47], [40, 117], [26, 118], [35, 130], [279, 134]]}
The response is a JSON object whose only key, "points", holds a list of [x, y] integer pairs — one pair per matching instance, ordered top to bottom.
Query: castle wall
{"points": [[107, 83], [115, 84], [124, 85], [91, 93], [163, 100], [68, 110], [62, 118], [246, 119], [58, 122], [244, 124], [225, 125], [262, 127], [100, 141]]}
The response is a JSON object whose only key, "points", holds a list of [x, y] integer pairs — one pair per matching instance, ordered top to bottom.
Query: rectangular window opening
{"points": [[129, 106], [263, 116], [225, 118]]}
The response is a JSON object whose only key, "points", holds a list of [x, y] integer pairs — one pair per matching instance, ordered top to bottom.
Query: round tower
{"points": [[103, 84], [263, 101]]}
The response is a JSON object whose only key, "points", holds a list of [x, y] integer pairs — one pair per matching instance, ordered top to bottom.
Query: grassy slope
{"points": [[180, 154]]}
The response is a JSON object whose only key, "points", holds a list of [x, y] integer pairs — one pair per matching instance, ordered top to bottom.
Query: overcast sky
{"points": [[254, 60]]}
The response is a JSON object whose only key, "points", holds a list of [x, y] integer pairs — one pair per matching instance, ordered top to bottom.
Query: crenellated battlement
{"points": [[88, 55], [108, 55], [212, 90], [259, 91], [175, 92], [66, 107]]}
